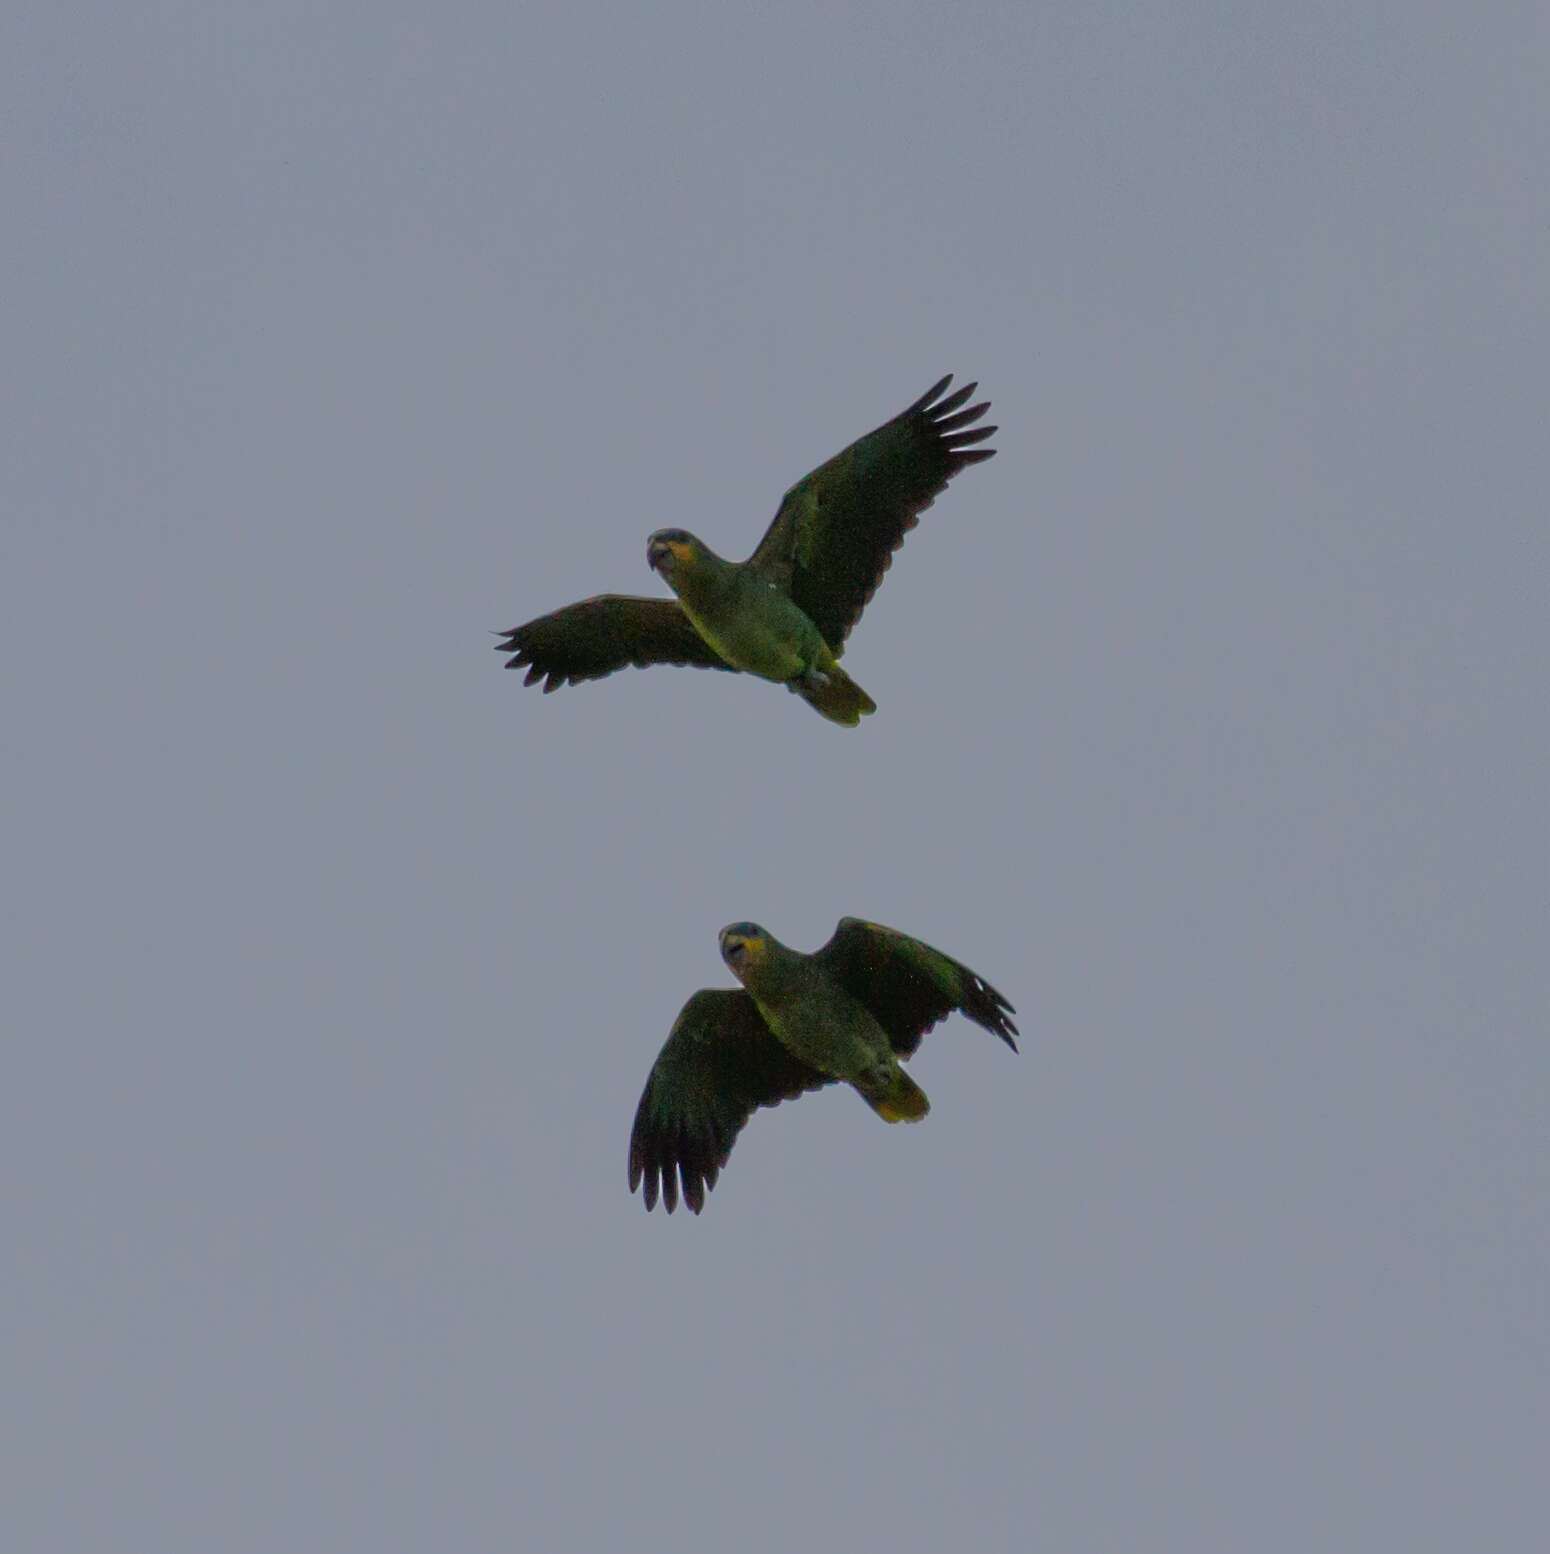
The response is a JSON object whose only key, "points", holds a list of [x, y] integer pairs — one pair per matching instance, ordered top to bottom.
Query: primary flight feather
{"points": [[784, 613]]}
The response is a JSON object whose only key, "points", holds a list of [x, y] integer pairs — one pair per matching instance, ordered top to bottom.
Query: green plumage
{"points": [[785, 612], [847, 1013]]}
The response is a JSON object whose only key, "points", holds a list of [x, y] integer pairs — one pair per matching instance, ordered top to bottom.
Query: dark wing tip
{"points": [[931, 394], [933, 405], [946, 406], [949, 423], [950, 427], [957, 440], [515, 642], [553, 679], [991, 1009], [675, 1161], [658, 1178], [694, 1190]]}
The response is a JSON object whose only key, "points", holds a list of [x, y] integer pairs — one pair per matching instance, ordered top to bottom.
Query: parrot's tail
{"points": [[833, 693], [902, 1101]]}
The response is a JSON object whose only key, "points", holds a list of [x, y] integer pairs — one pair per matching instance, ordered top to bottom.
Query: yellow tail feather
{"points": [[836, 696], [903, 1101]]}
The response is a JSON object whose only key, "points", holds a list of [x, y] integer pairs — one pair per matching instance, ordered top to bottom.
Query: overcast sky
{"points": [[1212, 729]]}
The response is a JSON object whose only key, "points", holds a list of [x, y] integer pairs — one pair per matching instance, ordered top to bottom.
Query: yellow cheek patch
{"points": [[682, 553], [754, 947]]}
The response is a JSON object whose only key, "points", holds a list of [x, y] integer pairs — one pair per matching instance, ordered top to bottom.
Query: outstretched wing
{"points": [[837, 529], [585, 641], [909, 986], [717, 1066]]}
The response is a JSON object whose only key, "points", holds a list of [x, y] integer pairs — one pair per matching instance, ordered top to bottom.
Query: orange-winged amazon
{"points": [[784, 613], [847, 1013]]}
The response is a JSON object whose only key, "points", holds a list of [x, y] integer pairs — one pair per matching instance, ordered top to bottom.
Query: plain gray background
{"points": [[1212, 729]]}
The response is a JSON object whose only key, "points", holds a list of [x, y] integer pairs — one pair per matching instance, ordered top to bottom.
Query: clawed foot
{"points": [[811, 679]]}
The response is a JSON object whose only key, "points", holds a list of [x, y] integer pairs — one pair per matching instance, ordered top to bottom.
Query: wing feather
{"points": [[835, 532], [596, 636], [908, 985], [719, 1064]]}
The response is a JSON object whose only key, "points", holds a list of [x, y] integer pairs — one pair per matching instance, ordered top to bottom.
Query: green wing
{"points": [[837, 529], [585, 641], [909, 986], [717, 1066]]}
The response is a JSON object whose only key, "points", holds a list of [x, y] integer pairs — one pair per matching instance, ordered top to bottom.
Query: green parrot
{"points": [[784, 613], [848, 1012]]}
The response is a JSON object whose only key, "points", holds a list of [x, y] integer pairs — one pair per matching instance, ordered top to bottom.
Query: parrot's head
{"points": [[672, 552], [743, 945]]}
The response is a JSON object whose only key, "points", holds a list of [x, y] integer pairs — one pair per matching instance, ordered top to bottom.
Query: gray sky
{"points": [[1212, 729]]}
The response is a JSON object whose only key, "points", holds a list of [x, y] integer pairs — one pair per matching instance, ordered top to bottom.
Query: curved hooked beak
{"points": [[664, 548]]}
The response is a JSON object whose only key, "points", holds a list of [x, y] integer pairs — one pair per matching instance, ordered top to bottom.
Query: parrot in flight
{"points": [[784, 613], [847, 1013]]}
